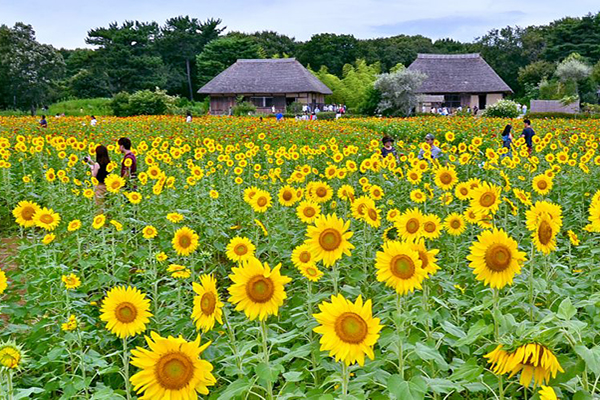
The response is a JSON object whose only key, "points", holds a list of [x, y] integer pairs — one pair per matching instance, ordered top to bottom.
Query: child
{"points": [[388, 147]]}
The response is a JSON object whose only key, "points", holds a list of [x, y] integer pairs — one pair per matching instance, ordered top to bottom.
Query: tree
{"points": [[574, 35], [181, 40], [273, 44], [400, 49], [330, 50], [219, 54], [128, 55], [573, 68], [29, 71], [535, 72], [398, 91]]}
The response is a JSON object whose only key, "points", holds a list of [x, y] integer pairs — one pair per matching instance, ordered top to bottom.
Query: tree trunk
{"points": [[189, 79]]}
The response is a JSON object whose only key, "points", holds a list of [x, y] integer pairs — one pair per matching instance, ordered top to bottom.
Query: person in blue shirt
{"points": [[528, 134], [507, 139], [388, 147], [436, 152]]}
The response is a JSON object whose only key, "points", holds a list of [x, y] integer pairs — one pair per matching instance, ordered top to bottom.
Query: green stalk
{"points": [[264, 332], [126, 369], [345, 380]]}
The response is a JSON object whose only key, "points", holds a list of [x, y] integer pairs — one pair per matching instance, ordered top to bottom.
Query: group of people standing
{"points": [[528, 134], [100, 172]]}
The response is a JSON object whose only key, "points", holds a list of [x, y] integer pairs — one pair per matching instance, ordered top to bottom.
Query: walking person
{"points": [[528, 134], [507, 140], [99, 172]]}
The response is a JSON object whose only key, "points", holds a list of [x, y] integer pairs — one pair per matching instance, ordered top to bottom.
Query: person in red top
{"points": [[129, 164]]}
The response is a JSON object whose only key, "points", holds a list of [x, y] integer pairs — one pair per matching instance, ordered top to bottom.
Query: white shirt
{"points": [[188, 118], [93, 122]]}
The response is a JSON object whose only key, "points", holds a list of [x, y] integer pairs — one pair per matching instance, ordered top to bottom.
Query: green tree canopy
{"points": [[330, 50]]}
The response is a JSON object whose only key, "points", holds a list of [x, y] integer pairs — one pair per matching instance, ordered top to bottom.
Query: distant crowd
{"points": [[460, 110]]}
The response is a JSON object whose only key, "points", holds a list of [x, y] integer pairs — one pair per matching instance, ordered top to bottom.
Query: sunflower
{"points": [[445, 178], [114, 183], [542, 184], [462, 191], [319, 192], [346, 192], [376, 192], [249, 193], [287, 196], [418, 196], [523, 196], [134, 197], [486, 198], [261, 201], [360, 206], [308, 211], [553, 211], [24, 213], [471, 216], [174, 217], [372, 217], [594, 217], [46, 218], [99, 221], [410, 224], [455, 224], [74, 225], [432, 226], [149, 232], [390, 233], [544, 236], [48, 238], [573, 238], [328, 239], [185, 241], [240, 249], [301, 256], [427, 257], [495, 258], [399, 266], [179, 271], [311, 272], [71, 281], [3, 282], [257, 290], [207, 305], [125, 311], [70, 325], [348, 329], [12, 356], [532, 360], [171, 369], [547, 393]]}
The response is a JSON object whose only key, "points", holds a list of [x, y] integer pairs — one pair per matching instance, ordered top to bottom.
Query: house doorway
{"points": [[482, 103]]}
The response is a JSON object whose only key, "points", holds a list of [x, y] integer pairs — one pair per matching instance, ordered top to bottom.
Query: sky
{"points": [[65, 23]]}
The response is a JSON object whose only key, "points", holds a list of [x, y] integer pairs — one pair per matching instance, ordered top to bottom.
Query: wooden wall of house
{"points": [[220, 105]]}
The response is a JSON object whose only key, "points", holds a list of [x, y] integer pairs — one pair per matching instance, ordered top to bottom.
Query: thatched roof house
{"points": [[454, 80], [268, 83]]}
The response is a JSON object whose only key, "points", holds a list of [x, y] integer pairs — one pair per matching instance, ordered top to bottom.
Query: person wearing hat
{"points": [[388, 147], [436, 152]]}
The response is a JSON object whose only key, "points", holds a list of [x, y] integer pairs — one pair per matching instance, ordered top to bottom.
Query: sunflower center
{"points": [[445, 178], [542, 184], [464, 191], [321, 192], [287, 196], [487, 199], [262, 201], [361, 209], [309, 212], [27, 213], [372, 214], [47, 218], [455, 224], [412, 225], [429, 227], [545, 233], [330, 239], [185, 241], [240, 249], [304, 256], [498, 257], [402, 266], [311, 271], [260, 289], [208, 303], [126, 312], [351, 328], [174, 370]]}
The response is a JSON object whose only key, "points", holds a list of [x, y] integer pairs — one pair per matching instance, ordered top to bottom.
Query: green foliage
{"points": [[273, 44], [329, 50], [221, 53], [535, 72], [87, 84], [398, 91], [81, 107], [243, 108], [294, 108], [502, 109], [556, 115]]}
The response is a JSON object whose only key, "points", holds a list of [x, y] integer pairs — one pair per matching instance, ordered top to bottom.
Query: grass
{"points": [[78, 107]]}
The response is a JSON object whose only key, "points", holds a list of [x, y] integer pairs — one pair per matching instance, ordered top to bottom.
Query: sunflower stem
{"points": [[334, 276], [531, 299], [495, 312], [400, 330], [231, 334], [265, 345], [126, 368], [315, 371], [345, 380], [10, 385]]}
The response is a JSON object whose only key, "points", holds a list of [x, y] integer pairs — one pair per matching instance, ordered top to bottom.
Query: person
{"points": [[524, 109], [475, 110], [279, 116], [313, 116], [188, 117], [43, 122], [93, 122], [528, 134], [507, 139], [388, 147], [436, 152], [128, 168], [99, 172]]}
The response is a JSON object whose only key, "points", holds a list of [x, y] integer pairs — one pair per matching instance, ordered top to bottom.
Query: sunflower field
{"points": [[258, 259]]}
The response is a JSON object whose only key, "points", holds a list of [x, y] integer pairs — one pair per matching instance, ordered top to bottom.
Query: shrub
{"points": [[143, 102], [120, 104], [243, 108], [294, 108], [502, 109], [542, 115]]}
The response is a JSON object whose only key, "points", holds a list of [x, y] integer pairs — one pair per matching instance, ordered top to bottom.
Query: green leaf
{"points": [[566, 310], [453, 329], [475, 332], [426, 353], [590, 356], [468, 371], [266, 372], [293, 376], [439, 385], [236, 388], [403, 390], [25, 393]]}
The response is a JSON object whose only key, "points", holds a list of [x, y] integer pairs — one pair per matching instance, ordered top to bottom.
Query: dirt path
{"points": [[8, 249]]}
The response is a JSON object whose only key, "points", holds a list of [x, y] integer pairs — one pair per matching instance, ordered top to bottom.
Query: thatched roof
{"points": [[458, 73], [283, 75]]}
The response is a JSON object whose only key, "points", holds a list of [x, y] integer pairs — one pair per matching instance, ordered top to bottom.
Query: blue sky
{"points": [[64, 23]]}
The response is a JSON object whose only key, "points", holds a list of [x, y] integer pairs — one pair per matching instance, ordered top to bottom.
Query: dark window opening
{"points": [[451, 101], [262, 102]]}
